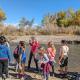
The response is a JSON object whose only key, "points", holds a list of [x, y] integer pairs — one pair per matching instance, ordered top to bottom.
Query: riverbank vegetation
{"points": [[63, 22]]}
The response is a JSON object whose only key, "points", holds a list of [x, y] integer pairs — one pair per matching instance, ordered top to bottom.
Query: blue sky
{"points": [[16, 9]]}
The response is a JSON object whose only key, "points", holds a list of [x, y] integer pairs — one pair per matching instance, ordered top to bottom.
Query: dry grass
{"points": [[13, 31]]}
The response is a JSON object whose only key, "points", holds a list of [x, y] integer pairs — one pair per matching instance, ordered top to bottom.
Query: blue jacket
{"points": [[4, 52]]}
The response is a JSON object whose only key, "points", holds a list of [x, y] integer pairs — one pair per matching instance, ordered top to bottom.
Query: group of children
{"points": [[46, 57], [43, 58]]}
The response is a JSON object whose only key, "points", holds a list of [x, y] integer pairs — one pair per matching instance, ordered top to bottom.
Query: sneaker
{"points": [[4, 76], [17, 77], [22, 78], [44, 78]]}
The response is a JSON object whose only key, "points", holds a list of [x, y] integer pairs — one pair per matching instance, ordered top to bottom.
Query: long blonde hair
{"points": [[50, 44]]}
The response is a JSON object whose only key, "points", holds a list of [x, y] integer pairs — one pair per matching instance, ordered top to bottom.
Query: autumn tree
{"points": [[2, 15], [2, 18], [61, 19], [49, 22]]}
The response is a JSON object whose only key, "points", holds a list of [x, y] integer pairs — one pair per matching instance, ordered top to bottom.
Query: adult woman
{"points": [[34, 45]]}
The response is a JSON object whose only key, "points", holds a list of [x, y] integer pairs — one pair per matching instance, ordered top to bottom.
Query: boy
{"points": [[4, 58]]}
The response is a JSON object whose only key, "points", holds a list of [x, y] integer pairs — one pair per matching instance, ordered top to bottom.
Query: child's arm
{"points": [[30, 43], [54, 50], [8, 53], [61, 55], [46, 59]]}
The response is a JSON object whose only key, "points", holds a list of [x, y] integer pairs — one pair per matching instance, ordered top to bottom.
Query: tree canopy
{"points": [[2, 15], [63, 18]]}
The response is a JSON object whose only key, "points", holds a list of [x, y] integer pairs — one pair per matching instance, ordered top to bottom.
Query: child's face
{"points": [[33, 39], [50, 44], [23, 48], [42, 51]]}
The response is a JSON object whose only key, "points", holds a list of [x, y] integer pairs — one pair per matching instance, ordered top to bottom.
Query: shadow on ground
{"points": [[69, 75], [27, 77]]}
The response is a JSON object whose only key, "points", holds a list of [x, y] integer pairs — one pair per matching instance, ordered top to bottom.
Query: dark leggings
{"points": [[30, 58], [52, 65], [3, 67]]}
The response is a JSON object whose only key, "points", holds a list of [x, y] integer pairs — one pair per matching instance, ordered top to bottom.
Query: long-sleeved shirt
{"points": [[34, 46], [4, 52], [51, 54], [44, 58], [44, 63]]}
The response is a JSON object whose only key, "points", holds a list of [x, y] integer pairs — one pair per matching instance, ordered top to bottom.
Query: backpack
{"points": [[16, 50]]}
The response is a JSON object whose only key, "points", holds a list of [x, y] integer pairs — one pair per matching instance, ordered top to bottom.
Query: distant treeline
{"points": [[63, 22]]}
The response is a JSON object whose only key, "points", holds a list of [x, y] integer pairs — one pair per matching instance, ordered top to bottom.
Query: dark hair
{"points": [[2, 39], [63, 42], [22, 43]]}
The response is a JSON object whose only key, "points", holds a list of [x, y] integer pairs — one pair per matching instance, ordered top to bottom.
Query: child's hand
{"points": [[41, 62], [59, 62]]}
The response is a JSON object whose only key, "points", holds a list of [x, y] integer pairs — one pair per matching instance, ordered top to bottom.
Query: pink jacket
{"points": [[51, 54]]}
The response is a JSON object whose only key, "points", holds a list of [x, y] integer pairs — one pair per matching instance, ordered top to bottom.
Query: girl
{"points": [[16, 54], [51, 54], [63, 59], [23, 60], [44, 63]]}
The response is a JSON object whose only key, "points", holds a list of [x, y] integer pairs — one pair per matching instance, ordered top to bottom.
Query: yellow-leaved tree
{"points": [[2, 15]]}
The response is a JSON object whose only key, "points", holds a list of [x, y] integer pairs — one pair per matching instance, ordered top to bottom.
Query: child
{"points": [[17, 53], [51, 54], [16, 56], [4, 58], [63, 58], [22, 60], [44, 63]]}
